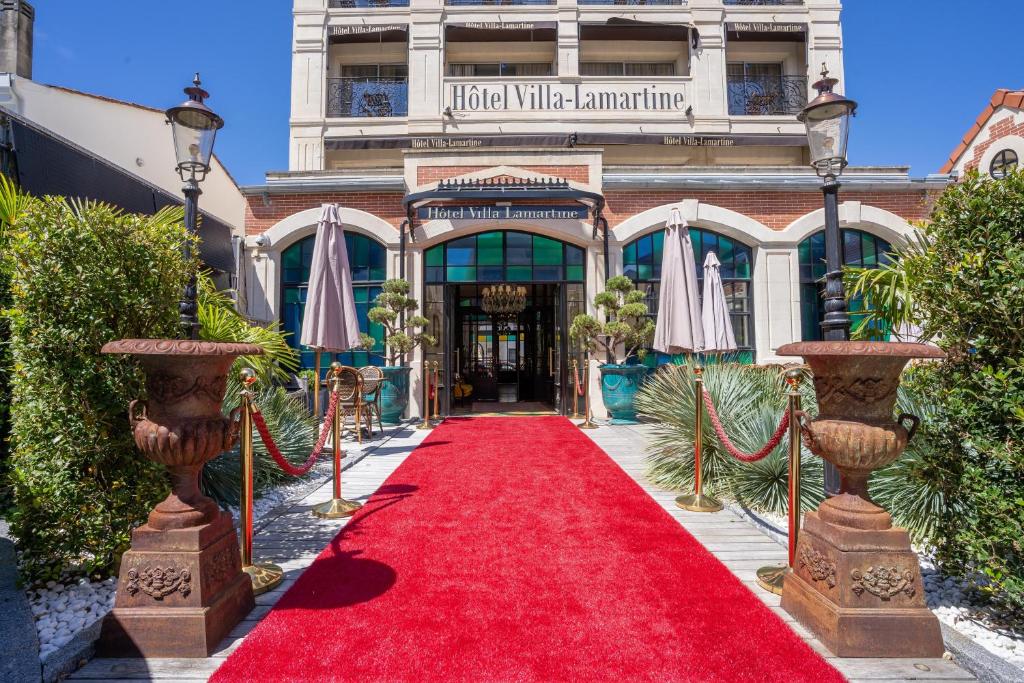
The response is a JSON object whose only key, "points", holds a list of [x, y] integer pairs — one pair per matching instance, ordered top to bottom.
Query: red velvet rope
{"points": [[576, 377], [268, 441], [735, 452]]}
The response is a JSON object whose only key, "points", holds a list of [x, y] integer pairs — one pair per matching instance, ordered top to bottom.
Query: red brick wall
{"points": [[1001, 129], [431, 174], [774, 209], [259, 218]]}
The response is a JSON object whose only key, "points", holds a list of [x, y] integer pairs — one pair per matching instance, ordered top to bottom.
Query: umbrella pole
{"points": [[316, 386], [697, 501]]}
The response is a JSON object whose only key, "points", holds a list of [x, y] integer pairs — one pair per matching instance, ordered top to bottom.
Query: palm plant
{"points": [[886, 293]]}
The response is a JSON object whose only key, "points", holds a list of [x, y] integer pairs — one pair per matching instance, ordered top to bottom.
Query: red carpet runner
{"points": [[514, 549]]}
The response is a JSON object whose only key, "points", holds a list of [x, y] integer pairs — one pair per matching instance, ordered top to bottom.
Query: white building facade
{"points": [[544, 145]]}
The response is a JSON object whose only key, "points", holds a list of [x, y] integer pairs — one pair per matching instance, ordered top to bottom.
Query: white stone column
{"points": [[568, 41], [824, 42], [426, 67], [708, 68], [309, 73], [776, 285]]}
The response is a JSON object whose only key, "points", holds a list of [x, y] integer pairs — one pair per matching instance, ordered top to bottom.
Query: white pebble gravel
{"points": [[62, 609]]}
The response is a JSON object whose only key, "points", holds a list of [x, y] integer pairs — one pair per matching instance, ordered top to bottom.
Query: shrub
{"points": [[84, 274], [971, 295], [627, 327]]}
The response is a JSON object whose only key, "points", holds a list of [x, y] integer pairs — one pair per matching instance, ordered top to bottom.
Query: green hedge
{"points": [[83, 275], [971, 294]]}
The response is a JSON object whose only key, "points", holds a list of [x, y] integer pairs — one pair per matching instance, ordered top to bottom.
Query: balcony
{"points": [[631, 2], [489, 3], [763, 3], [368, 4], [766, 95], [367, 97]]}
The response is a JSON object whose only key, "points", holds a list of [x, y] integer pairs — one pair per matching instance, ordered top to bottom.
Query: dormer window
{"points": [[1003, 164]]}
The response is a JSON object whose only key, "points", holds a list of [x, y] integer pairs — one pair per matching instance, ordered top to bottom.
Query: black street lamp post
{"points": [[827, 119], [194, 126]]}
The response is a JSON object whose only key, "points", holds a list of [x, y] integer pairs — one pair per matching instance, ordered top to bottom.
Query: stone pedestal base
{"points": [[179, 592], [860, 592]]}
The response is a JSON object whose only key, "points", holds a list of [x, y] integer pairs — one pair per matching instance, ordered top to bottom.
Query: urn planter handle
{"points": [[135, 418], [805, 420], [915, 422]]}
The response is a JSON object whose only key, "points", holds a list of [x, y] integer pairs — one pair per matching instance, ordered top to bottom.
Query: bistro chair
{"points": [[373, 381], [350, 400]]}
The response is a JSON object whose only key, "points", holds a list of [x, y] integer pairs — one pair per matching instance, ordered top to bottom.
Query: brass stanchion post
{"points": [[437, 390], [426, 397], [587, 423], [697, 501], [337, 506], [264, 576], [772, 578]]}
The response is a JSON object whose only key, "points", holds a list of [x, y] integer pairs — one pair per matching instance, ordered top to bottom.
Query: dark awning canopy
{"points": [[619, 28], [494, 31], [368, 33]]}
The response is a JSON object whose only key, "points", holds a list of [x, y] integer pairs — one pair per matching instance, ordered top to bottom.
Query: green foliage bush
{"points": [[83, 275], [971, 296], [627, 328], [402, 337]]}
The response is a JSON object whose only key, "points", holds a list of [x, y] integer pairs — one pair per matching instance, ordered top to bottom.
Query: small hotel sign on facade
{"points": [[506, 97], [501, 213]]}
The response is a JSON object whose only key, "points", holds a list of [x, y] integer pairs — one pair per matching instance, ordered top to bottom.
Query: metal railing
{"points": [[499, 2], [631, 2], [762, 2], [348, 4], [766, 95], [376, 97]]}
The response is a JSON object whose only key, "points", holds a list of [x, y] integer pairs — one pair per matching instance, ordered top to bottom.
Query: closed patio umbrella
{"points": [[329, 321], [678, 329], [718, 334]]}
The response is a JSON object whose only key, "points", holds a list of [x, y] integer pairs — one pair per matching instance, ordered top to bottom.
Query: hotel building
{"points": [[544, 143]]}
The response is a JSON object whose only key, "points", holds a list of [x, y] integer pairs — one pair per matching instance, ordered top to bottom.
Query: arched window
{"points": [[860, 249], [367, 259], [641, 262]]}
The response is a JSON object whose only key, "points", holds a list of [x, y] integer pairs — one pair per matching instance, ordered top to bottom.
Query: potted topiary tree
{"points": [[626, 331], [402, 337]]}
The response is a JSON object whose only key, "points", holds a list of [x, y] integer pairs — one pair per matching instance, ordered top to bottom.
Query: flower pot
{"points": [[619, 385], [394, 394]]}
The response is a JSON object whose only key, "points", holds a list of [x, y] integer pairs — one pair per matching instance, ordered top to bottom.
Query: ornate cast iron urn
{"points": [[857, 583], [181, 586]]}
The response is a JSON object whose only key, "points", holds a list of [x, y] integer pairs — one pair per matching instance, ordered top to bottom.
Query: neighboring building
{"points": [[54, 140], [544, 143], [994, 145]]}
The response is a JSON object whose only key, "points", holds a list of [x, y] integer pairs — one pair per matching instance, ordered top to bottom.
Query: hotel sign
{"points": [[764, 27], [365, 29], [553, 97], [566, 140], [501, 213]]}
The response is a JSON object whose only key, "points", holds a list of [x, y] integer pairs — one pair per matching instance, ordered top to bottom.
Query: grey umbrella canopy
{"points": [[329, 322], [679, 324], [718, 334]]}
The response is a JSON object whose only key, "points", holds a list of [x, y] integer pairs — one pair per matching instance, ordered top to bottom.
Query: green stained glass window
{"points": [[861, 249], [504, 255], [642, 263], [368, 264]]}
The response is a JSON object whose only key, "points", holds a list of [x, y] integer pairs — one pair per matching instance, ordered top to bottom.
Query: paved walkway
{"points": [[294, 539]]}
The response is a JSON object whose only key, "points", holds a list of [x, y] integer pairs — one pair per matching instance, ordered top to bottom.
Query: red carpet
{"points": [[514, 549]]}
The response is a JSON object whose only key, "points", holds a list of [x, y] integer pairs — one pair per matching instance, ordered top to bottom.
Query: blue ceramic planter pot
{"points": [[619, 384], [394, 394]]}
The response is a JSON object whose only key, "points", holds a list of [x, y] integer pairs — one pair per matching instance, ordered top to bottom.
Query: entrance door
{"points": [[508, 361]]}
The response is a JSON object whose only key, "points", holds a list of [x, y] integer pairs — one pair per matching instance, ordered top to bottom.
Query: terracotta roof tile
{"points": [[1001, 97]]}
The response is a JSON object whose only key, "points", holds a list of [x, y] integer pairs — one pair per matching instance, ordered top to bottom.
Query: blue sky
{"points": [[921, 77]]}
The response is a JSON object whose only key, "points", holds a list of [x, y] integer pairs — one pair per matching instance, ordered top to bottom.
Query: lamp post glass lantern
{"points": [[827, 119], [194, 127]]}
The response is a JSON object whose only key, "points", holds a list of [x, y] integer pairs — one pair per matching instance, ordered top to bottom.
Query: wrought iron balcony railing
{"points": [[499, 2], [631, 2], [762, 2], [347, 4], [766, 95], [377, 97]]}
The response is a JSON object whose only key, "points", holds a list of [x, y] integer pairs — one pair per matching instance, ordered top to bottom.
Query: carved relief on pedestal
{"points": [[818, 566], [159, 582], [883, 582]]}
